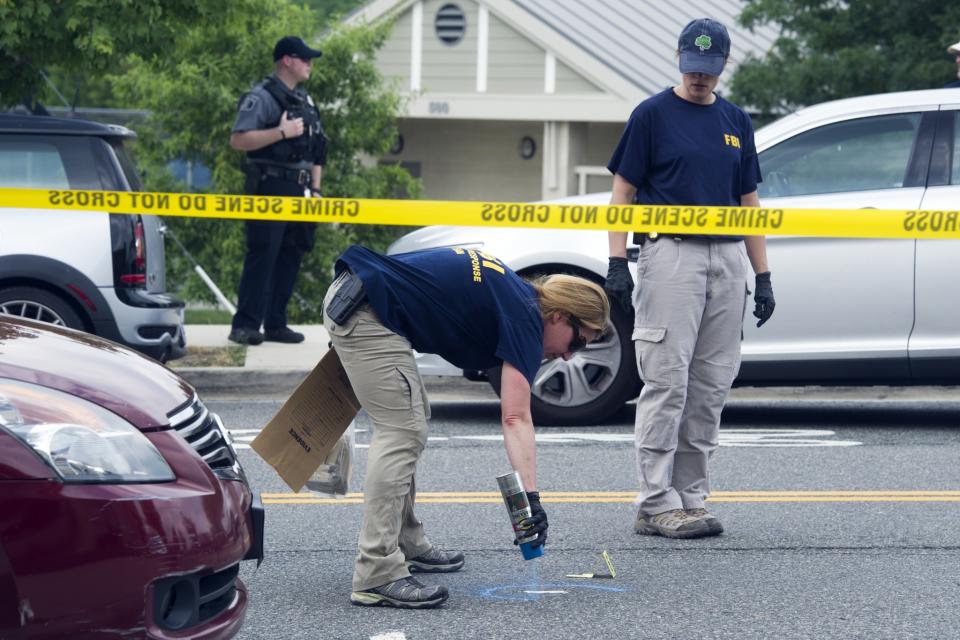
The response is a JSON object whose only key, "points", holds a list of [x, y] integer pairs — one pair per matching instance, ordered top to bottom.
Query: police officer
{"points": [[279, 127], [686, 146]]}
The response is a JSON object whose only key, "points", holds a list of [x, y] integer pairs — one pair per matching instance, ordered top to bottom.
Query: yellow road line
{"points": [[613, 497]]}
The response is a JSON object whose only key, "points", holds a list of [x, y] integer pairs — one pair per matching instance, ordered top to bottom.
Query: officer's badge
{"points": [[249, 102]]}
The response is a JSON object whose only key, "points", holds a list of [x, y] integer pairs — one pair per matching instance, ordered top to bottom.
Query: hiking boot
{"points": [[286, 334], [245, 336], [712, 521], [671, 524], [436, 561], [405, 593]]}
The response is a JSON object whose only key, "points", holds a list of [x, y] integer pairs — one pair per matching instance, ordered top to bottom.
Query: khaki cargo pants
{"points": [[690, 300], [383, 373]]}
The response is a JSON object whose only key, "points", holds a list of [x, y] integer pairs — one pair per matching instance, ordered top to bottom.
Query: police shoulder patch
{"points": [[249, 102]]}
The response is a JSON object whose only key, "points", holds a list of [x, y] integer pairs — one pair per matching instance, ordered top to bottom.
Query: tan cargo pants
{"points": [[690, 301], [383, 373]]}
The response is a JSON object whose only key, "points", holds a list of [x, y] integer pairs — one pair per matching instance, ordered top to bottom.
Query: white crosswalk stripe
{"points": [[728, 438]]}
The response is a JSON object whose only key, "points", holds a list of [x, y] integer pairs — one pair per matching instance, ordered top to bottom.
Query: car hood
{"points": [[131, 385]]}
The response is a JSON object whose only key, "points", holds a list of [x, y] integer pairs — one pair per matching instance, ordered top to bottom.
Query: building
{"points": [[519, 100]]}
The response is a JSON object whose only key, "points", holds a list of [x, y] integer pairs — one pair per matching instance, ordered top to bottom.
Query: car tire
{"points": [[37, 304], [590, 387]]}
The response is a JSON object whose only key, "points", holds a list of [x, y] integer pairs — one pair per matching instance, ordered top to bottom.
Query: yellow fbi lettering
{"points": [[731, 140], [480, 259]]}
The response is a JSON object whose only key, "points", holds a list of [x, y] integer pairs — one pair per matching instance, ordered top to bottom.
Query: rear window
{"points": [[57, 162], [32, 165], [128, 167]]}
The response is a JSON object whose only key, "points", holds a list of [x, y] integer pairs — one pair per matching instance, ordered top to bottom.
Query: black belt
{"points": [[300, 176], [653, 236]]}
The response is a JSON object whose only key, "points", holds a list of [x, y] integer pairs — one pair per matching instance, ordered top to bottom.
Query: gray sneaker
{"points": [[712, 521], [671, 524], [436, 561], [405, 593]]}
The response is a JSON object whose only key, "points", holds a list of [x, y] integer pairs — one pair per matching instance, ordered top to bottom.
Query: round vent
{"points": [[450, 24]]}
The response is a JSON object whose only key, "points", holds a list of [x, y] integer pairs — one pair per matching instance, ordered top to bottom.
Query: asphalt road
{"points": [[841, 523]]}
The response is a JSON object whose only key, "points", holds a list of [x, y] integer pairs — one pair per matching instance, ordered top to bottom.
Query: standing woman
{"points": [[686, 146], [475, 312]]}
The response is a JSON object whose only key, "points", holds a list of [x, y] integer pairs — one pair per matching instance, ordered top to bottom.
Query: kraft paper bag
{"points": [[309, 425]]}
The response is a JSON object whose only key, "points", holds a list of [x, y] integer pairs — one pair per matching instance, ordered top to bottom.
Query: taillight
{"points": [[140, 246], [129, 250]]}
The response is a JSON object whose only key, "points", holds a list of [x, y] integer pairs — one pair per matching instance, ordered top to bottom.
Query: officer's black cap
{"points": [[294, 46]]}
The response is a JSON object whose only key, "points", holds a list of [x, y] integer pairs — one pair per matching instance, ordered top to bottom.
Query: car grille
{"points": [[157, 331], [204, 431], [182, 602]]}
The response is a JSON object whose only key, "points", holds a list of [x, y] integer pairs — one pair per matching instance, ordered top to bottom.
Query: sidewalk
{"points": [[270, 367]]}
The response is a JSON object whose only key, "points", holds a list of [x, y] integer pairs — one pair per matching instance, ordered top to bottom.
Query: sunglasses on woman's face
{"points": [[578, 342]]}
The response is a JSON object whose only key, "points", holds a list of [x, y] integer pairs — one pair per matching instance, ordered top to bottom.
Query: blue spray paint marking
{"points": [[495, 593]]}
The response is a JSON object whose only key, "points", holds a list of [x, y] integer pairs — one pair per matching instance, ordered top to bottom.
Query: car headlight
{"points": [[81, 441]]}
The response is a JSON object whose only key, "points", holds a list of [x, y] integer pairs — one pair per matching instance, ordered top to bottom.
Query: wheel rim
{"points": [[31, 310], [583, 378]]}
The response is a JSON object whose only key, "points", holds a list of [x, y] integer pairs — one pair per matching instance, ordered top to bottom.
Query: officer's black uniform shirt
{"points": [[260, 110]]}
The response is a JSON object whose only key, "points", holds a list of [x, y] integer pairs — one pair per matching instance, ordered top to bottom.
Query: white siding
{"points": [[393, 59], [515, 65], [449, 68], [569, 81], [602, 139], [470, 160]]}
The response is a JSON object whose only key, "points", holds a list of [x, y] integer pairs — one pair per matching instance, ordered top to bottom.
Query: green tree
{"points": [[326, 10], [86, 36], [830, 49], [193, 97]]}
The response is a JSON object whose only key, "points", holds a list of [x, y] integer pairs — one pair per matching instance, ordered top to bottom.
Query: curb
{"points": [[222, 379], [214, 380]]}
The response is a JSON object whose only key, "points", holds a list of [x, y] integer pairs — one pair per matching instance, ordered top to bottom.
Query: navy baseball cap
{"points": [[294, 46], [704, 46]]}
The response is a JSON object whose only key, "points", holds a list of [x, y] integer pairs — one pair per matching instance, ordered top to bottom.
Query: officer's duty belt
{"points": [[300, 176], [643, 238]]}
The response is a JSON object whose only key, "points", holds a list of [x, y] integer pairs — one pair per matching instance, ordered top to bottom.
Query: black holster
{"points": [[347, 299]]}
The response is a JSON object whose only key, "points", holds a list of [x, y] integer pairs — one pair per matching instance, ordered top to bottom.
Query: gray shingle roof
{"points": [[638, 38]]}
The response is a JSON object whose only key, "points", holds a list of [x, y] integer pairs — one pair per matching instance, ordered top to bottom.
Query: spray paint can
{"points": [[518, 506]]}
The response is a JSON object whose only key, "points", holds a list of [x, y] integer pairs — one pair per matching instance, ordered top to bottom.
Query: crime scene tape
{"points": [[837, 223]]}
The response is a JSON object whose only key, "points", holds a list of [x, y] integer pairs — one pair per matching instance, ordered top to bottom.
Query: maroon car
{"points": [[124, 511]]}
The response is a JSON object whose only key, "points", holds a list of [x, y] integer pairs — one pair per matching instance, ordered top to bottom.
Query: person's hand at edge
{"points": [[619, 284], [763, 297], [536, 524]]}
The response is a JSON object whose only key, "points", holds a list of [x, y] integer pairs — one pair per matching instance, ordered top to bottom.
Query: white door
{"points": [[844, 300], [935, 341]]}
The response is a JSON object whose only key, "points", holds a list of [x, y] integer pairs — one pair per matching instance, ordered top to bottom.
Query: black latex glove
{"points": [[619, 284], [763, 296], [536, 524]]}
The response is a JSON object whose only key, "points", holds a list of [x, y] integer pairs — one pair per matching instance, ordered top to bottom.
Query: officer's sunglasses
{"points": [[577, 342]]}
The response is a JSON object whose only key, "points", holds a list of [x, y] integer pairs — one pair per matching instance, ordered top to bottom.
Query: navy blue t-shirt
{"points": [[682, 153], [463, 305]]}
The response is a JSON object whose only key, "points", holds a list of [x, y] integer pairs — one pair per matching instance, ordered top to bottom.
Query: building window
{"points": [[450, 24]]}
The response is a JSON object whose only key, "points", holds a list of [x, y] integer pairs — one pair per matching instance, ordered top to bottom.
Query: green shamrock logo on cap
{"points": [[704, 42]]}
